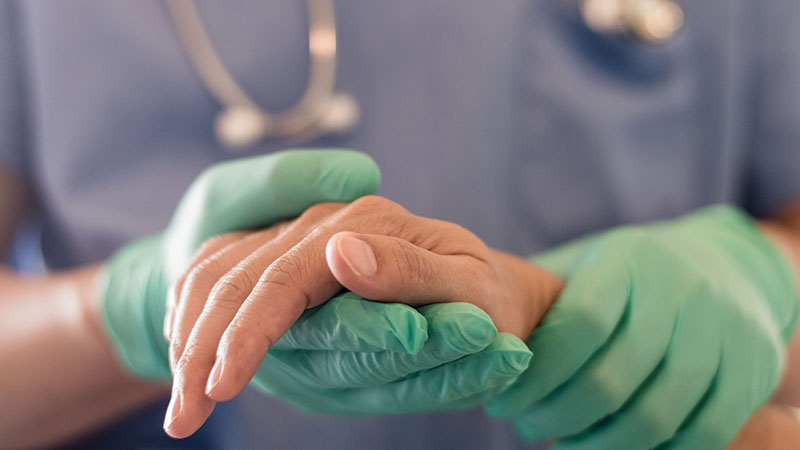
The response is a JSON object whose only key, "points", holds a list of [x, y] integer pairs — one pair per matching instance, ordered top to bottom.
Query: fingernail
{"points": [[358, 255], [213, 379], [173, 411]]}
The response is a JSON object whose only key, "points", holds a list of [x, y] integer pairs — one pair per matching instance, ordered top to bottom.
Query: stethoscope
{"points": [[648, 21], [321, 110], [243, 122]]}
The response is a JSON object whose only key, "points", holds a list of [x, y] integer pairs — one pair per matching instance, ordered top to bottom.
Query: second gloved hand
{"points": [[230, 196], [671, 333], [369, 343], [462, 363]]}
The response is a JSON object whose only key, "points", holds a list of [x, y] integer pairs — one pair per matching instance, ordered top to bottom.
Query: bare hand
{"points": [[244, 290]]}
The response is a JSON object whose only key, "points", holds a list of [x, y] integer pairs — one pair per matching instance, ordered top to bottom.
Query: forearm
{"points": [[784, 232], [60, 377], [776, 425], [772, 427]]}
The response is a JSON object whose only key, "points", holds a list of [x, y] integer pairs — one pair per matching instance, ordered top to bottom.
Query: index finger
{"points": [[290, 284]]}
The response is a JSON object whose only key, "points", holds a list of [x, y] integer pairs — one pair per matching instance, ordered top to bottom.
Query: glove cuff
{"points": [[770, 268], [134, 297]]}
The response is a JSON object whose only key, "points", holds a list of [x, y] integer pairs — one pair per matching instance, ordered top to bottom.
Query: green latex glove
{"points": [[230, 196], [666, 334], [346, 356], [463, 362]]}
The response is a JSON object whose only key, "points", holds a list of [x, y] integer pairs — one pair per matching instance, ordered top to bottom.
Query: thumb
{"points": [[256, 192], [387, 268]]}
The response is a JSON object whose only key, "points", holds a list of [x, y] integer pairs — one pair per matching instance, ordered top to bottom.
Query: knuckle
{"points": [[372, 204], [319, 211], [375, 214], [282, 227], [453, 239], [213, 243], [411, 266], [283, 271], [202, 274], [284, 274], [233, 287], [249, 330], [177, 344], [193, 356]]}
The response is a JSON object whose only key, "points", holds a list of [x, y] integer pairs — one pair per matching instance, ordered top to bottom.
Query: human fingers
{"points": [[259, 191], [242, 194], [208, 248], [388, 268], [437, 279], [298, 280], [514, 292], [190, 294], [192, 298], [214, 311], [455, 330]]}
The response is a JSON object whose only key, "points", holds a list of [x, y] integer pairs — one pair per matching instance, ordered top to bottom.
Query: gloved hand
{"points": [[230, 196], [244, 291], [671, 333], [376, 354], [462, 363]]}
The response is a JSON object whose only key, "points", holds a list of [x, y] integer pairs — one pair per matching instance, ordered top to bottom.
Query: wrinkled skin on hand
{"points": [[246, 289]]}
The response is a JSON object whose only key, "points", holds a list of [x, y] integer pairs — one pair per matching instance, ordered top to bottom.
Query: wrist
{"points": [[784, 237], [531, 292], [89, 293]]}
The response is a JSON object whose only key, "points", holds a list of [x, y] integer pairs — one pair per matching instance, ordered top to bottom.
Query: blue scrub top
{"points": [[508, 117]]}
